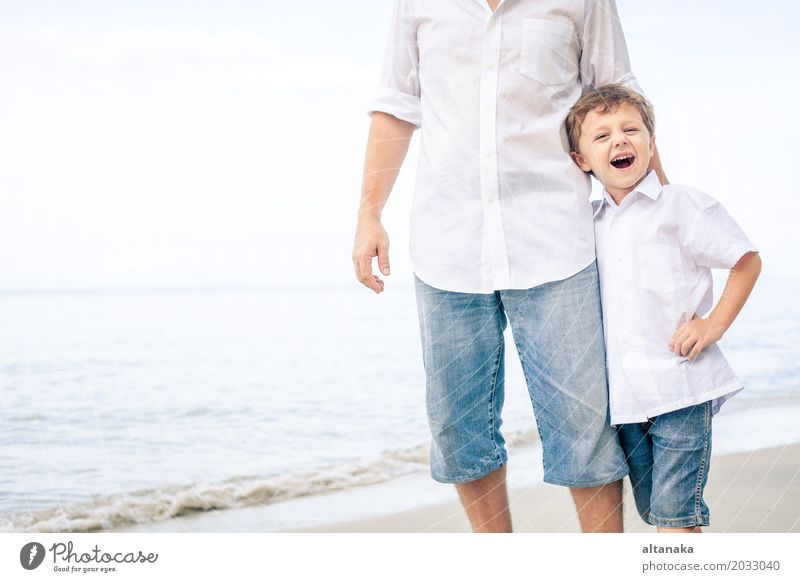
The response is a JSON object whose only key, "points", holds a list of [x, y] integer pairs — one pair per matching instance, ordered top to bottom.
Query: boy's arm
{"points": [[693, 337]]}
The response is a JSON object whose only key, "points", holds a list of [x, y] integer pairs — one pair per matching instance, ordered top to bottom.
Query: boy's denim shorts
{"points": [[557, 328], [669, 459]]}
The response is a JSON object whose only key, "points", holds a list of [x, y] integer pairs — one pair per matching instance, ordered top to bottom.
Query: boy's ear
{"points": [[652, 145], [580, 161]]}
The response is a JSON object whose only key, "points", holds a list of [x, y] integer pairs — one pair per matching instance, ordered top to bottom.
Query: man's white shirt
{"points": [[498, 203], [655, 252]]}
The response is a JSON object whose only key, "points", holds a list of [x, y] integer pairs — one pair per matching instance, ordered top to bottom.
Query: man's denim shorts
{"points": [[557, 328], [669, 459]]}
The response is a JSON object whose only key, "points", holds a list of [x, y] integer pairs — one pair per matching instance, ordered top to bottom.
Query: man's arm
{"points": [[604, 58], [387, 145], [655, 164], [694, 336]]}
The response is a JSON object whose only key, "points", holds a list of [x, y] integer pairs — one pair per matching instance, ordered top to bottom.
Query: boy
{"points": [[655, 248]]}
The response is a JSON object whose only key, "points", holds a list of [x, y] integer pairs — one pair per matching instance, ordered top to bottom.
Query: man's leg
{"points": [[558, 331], [463, 350], [486, 502], [599, 508]]}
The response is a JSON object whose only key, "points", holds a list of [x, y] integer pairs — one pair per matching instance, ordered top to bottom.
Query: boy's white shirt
{"points": [[655, 252]]}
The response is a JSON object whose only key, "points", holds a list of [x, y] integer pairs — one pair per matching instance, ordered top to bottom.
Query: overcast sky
{"points": [[178, 143]]}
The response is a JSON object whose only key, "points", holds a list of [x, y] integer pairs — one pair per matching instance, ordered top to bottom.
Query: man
{"points": [[501, 231]]}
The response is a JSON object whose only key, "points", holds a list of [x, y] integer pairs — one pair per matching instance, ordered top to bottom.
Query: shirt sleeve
{"points": [[604, 54], [398, 93], [714, 239]]}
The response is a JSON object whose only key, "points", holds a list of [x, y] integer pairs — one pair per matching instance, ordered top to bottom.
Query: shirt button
{"points": [[492, 23], [489, 67], [491, 200], [619, 259]]}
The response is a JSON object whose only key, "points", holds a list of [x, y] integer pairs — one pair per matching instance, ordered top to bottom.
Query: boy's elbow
{"points": [[755, 258], [752, 262]]}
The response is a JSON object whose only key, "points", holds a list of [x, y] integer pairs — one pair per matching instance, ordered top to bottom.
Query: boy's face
{"points": [[616, 147]]}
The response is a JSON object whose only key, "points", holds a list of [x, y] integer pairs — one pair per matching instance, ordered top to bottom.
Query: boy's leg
{"points": [[558, 331], [462, 350], [681, 456]]}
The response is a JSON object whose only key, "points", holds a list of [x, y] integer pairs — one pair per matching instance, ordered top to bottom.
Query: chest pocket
{"points": [[546, 54], [659, 266]]}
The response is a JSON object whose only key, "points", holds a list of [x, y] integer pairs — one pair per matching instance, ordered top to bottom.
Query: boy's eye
{"points": [[631, 129], [599, 136]]}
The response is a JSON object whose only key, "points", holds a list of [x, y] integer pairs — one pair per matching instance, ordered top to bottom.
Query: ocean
{"points": [[123, 407]]}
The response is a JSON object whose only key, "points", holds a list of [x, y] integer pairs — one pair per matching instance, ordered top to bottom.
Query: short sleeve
{"points": [[604, 54], [398, 93], [714, 239]]}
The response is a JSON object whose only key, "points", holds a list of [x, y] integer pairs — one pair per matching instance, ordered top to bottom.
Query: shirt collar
{"points": [[650, 187]]}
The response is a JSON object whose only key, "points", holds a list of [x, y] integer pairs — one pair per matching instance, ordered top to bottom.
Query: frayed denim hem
{"points": [[470, 476], [586, 484], [689, 521]]}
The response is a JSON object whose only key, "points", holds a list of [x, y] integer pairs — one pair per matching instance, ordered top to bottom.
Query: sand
{"points": [[757, 491]]}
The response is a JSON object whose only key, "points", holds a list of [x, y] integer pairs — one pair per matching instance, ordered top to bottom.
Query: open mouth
{"points": [[622, 162]]}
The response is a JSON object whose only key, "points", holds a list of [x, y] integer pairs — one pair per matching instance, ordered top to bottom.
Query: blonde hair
{"points": [[606, 98]]}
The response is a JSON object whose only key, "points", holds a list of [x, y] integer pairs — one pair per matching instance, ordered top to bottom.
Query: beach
{"points": [[129, 412], [758, 491], [748, 492]]}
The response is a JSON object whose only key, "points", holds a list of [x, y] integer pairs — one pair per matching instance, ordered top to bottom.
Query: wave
{"points": [[148, 506]]}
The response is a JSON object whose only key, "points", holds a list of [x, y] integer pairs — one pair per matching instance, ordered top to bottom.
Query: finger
{"points": [[383, 259], [358, 263], [357, 267], [365, 275], [681, 330], [677, 339], [675, 343], [687, 345], [698, 347]]}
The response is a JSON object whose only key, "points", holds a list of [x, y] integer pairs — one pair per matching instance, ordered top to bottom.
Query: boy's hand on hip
{"points": [[371, 241], [694, 336]]}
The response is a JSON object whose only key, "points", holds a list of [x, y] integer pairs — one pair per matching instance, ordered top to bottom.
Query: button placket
{"points": [[493, 232]]}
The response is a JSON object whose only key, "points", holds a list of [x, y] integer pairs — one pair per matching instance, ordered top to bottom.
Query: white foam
{"points": [[396, 481]]}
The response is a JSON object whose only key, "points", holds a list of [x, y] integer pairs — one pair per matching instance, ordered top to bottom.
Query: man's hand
{"points": [[371, 241], [694, 336]]}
